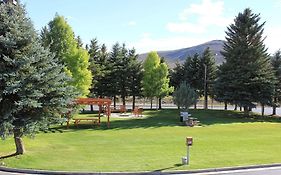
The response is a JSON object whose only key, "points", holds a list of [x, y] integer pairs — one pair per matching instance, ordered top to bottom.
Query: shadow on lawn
{"points": [[170, 117], [8, 156], [168, 168]]}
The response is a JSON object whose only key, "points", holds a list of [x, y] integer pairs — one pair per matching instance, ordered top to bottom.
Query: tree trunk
{"points": [[205, 88], [124, 100], [134, 101], [206, 101], [114, 102], [151, 102], [160, 104], [195, 105], [225, 105], [274, 106], [235, 107], [240, 108], [262, 109], [274, 110], [246, 111], [18, 141]]}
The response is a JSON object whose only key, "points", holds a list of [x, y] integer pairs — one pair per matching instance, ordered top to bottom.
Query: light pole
{"points": [[205, 87]]}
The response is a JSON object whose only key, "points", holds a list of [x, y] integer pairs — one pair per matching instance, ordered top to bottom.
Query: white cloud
{"points": [[205, 9], [208, 13], [132, 23], [272, 40]]}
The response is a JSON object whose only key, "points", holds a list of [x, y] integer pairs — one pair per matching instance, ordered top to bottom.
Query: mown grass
{"points": [[155, 142]]}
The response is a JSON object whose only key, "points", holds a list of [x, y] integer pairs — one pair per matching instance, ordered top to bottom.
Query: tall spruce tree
{"points": [[61, 40], [95, 63], [276, 65], [100, 67], [123, 72], [192, 74], [207, 74], [176, 75], [135, 76], [113, 77], [250, 77], [33, 85]]}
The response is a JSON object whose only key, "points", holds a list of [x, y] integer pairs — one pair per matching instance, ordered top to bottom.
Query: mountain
{"points": [[172, 56]]}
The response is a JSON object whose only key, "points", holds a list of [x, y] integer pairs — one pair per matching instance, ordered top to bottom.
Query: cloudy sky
{"points": [[155, 24]]}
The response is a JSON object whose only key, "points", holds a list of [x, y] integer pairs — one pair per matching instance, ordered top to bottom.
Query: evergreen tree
{"points": [[60, 38], [95, 63], [276, 65], [101, 70], [123, 72], [192, 74], [207, 74], [114, 75], [176, 75], [135, 76], [250, 77], [224, 79], [33, 89], [185, 96]]}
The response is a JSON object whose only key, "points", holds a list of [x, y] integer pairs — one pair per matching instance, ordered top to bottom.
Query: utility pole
{"points": [[205, 87]]}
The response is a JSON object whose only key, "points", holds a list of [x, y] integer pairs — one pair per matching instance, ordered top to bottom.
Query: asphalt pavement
{"points": [[262, 170], [256, 171]]}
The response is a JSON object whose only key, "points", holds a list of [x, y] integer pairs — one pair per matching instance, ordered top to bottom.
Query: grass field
{"points": [[154, 142]]}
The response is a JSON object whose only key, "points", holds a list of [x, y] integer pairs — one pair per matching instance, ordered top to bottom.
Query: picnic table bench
{"points": [[122, 109], [137, 111], [94, 120], [192, 121]]}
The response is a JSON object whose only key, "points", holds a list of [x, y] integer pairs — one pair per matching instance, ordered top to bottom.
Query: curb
{"points": [[29, 171]]}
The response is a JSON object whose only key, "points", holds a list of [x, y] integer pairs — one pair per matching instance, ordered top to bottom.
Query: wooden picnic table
{"points": [[137, 111], [94, 120], [192, 121]]}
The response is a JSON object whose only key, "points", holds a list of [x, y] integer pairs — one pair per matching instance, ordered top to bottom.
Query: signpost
{"points": [[189, 142]]}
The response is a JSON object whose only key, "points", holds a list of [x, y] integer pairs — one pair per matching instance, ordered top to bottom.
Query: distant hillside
{"points": [[181, 54]]}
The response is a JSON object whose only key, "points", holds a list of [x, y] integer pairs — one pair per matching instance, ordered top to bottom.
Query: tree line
{"points": [[98, 72], [248, 76]]}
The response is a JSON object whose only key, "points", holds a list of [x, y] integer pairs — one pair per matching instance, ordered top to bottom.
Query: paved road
{"points": [[267, 110], [256, 171], [6, 173]]}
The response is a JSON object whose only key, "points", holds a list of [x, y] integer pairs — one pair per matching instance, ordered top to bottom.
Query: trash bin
{"points": [[183, 116], [184, 160]]}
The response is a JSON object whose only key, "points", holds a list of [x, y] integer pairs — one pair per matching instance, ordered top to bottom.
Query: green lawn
{"points": [[154, 142]]}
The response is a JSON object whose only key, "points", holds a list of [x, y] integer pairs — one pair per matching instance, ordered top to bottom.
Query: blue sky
{"points": [[155, 24]]}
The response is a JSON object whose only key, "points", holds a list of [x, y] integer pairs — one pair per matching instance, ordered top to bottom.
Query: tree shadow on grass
{"points": [[171, 118], [8, 156], [167, 168]]}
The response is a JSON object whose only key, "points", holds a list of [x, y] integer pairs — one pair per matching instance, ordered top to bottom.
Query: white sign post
{"points": [[189, 142]]}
